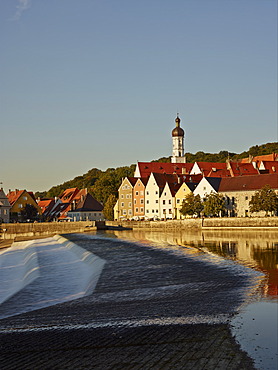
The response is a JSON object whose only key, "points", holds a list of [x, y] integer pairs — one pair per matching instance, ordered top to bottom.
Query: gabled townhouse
{"points": [[207, 186], [154, 187], [239, 190], [153, 191], [183, 191], [139, 198], [18, 200], [126, 200], [167, 200], [4, 207], [87, 209]]}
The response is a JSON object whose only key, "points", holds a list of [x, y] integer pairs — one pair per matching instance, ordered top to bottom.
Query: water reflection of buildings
{"points": [[255, 249]]}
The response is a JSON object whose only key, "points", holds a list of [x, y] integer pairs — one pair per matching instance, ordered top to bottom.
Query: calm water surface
{"points": [[255, 326]]}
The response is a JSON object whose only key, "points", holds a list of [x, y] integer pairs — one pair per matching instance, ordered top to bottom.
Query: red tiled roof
{"points": [[265, 157], [270, 166], [207, 167], [146, 168], [242, 169], [219, 173], [252, 182], [14, 195], [68, 195], [88, 203], [45, 204]]}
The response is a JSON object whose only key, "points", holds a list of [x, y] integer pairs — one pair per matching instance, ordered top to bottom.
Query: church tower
{"points": [[178, 143]]}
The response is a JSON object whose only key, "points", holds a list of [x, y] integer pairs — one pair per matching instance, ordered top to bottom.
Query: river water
{"points": [[255, 325]]}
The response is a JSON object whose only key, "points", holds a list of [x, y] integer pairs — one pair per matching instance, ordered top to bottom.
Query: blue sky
{"points": [[98, 83]]}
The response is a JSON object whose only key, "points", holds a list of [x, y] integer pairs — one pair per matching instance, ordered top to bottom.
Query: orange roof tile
{"points": [[14, 195]]}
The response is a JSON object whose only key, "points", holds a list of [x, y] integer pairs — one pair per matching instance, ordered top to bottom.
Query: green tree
{"points": [[110, 181], [264, 199], [214, 204], [192, 205], [108, 209], [29, 212]]}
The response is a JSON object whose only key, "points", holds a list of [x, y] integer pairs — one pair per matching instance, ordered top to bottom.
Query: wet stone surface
{"points": [[150, 309]]}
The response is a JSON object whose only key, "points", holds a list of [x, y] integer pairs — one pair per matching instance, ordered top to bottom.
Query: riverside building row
{"points": [[157, 189], [160, 196], [72, 205]]}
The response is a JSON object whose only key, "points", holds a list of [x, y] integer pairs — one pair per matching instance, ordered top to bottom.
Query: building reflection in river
{"points": [[256, 249]]}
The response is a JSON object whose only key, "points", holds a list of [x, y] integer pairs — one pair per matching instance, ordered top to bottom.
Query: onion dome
{"points": [[177, 131]]}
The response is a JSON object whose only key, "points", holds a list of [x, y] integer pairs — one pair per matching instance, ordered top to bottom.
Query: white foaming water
{"points": [[64, 272]]}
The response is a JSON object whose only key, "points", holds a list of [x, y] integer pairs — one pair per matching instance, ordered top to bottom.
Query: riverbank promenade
{"points": [[151, 309]]}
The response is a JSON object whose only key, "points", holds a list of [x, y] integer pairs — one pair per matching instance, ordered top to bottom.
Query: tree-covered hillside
{"points": [[103, 183]]}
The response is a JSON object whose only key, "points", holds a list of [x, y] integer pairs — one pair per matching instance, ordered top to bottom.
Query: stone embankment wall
{"points": [[206, 223], [12, 231]]}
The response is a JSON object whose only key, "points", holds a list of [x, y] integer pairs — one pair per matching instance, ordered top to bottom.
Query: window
{"points": [[204, 188], [141, 192], [156, 192], [137, 193], [147, 193], [165, 193], [122, 196], [127, 196], [24, 198], [246, 198], [233, 200], [134, 201], [141, 201], [156, 201], [169, 201], [178, 201], [147, 202], [163, 202], [122, 204], [129, 204], [20, 206], [136, 209], [141, 209], [152, 210], [147, 211], [156, 211], [170, 211], [124, 212], [130, 212]]}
